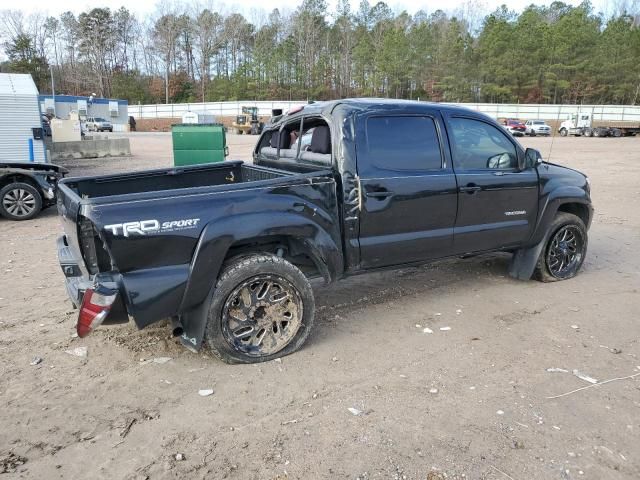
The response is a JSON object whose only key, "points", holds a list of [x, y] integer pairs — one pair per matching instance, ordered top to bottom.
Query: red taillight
{"points": [[95, 307]]}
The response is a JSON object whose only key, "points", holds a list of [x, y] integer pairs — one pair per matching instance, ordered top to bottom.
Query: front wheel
{"points": [[563, 132], [20, 201], [565, 250], [262, 309]]}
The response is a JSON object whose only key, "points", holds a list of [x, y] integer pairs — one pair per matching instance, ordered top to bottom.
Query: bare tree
{"points": [[209, 37]]}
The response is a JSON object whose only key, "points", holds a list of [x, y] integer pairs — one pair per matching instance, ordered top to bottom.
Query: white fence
{"points": [[222, 109], [626, 113]]}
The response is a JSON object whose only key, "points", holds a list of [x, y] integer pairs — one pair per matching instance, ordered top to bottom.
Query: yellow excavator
{"points": [[248, 123]]}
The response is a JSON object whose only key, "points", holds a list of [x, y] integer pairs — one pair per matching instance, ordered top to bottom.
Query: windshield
{"points": [[99, 119]]}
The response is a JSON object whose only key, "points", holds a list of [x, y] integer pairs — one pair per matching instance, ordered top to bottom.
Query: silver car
{"points": [[98, 124], [537, 127]]}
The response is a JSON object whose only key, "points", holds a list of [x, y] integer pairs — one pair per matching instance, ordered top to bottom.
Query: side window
{"points": [[265, 140], [403, 143], [477, 145]]}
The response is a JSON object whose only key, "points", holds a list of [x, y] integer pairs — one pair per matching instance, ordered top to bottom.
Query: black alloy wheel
{"points": [[565, 251]]}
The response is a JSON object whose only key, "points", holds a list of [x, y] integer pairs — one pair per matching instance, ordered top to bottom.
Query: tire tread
{"points": [[265, 261]]}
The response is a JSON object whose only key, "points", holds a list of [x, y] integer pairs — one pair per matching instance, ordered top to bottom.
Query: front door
{"points": [[408, 187], [497, 202]]}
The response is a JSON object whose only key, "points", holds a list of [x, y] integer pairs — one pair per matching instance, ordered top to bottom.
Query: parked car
{"points": [[98, 124], [514, 126], [537, 127], [27, 188], [227, 250]]}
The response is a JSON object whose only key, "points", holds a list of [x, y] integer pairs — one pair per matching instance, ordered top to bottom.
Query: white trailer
{"points": [[21, 132]]}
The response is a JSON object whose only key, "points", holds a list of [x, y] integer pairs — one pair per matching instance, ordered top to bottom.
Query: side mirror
{"points": [[532, 157], [500, 161]]}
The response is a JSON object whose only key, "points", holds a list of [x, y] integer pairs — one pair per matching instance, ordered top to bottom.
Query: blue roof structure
{"points": [[74, 99]]}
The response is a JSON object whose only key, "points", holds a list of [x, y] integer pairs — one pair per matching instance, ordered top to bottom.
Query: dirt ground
{"points": [[469, 402]]}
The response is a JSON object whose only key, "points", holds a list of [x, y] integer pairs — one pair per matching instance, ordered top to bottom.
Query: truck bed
{"points": [[210, 175], [161, 231]]}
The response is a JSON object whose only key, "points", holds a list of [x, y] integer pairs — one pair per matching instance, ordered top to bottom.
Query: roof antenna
{"points": [[555, 132]]}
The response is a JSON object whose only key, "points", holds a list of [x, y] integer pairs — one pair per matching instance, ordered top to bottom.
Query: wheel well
{"points": [[16, 177], [578, 209], [291, 249]]}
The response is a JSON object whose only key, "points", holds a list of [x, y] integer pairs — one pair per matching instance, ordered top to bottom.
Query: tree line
{"points": [[545, 54]]}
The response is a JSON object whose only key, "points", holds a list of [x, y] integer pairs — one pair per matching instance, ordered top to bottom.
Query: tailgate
{"points": [[68, 209]]}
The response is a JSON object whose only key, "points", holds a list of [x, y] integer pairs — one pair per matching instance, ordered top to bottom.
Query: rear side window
{"points": [[403, 143], [476, 145]]}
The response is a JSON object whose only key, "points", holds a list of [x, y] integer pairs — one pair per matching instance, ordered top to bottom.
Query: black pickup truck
{"points": [[336, 189]]}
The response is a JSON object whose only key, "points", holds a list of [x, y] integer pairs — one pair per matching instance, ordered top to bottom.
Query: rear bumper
{"points": [[77, 282]]}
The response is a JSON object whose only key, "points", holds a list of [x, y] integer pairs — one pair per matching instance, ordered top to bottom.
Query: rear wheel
{"points": [[20, 201], [565, 249], [262, 309]]}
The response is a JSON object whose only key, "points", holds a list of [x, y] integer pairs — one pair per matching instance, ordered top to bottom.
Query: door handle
{"points": [[471, 188], [383, 194]]}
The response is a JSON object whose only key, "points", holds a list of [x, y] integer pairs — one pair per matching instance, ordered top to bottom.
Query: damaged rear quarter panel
{"points": [[169, 251]]}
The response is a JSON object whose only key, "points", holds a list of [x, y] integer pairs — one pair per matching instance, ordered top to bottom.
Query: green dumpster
{"points": [[196, 143]]}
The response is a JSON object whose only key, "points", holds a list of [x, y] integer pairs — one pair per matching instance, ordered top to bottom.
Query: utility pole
{"points": [[53, 90]]}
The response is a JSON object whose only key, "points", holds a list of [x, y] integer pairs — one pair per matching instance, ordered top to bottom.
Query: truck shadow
{"points": [[46, 213], [354, 293]]}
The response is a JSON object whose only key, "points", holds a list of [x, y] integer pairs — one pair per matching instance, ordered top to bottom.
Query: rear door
{"points": [[408, 188], [497, 203]]}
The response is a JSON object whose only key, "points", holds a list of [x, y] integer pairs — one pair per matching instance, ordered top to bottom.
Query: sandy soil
{"points": [[470, 402]]}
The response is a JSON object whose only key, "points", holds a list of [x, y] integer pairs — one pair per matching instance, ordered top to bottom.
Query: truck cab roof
{"points": [[325, 108]]}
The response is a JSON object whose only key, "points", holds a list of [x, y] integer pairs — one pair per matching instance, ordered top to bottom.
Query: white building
{"points": [[114, 110], [21, 134]]}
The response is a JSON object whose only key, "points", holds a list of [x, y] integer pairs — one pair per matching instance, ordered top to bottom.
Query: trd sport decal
{"points": [[145, 227]]}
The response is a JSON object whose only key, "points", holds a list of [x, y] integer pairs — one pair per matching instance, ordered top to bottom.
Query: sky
{"points": [[250, 8]]}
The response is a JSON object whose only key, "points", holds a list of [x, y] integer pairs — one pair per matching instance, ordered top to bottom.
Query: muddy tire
{"points": [[20, 201], [564, 251], [262, 308]]}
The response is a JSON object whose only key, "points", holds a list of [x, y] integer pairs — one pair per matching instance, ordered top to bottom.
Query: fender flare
{"points": [[551, 203], [219, 236], [524, 260]]}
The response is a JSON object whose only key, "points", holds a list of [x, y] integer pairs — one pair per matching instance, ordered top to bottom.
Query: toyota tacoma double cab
{"points": [[227, 251]]}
